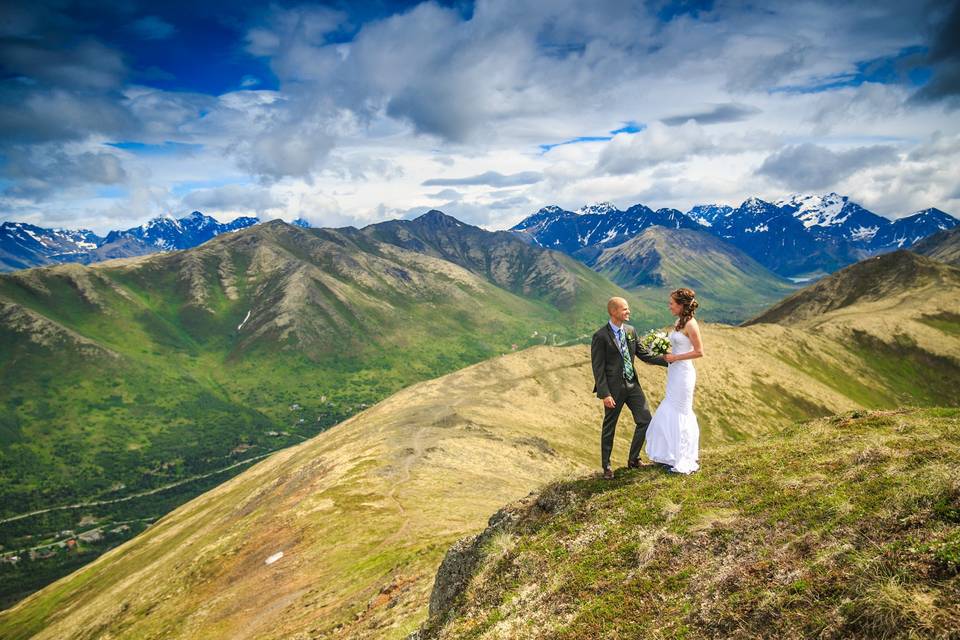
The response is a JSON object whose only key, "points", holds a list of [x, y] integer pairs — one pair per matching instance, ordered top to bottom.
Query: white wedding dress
{"points": [[673, 437]]}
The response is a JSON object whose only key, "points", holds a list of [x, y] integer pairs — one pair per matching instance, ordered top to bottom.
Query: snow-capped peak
{"points": [[810, 201], [755, 205], [551, 208], [598, 208], [819, 211], [931, 212], [707, 214], [198, 219], [165, 220]]}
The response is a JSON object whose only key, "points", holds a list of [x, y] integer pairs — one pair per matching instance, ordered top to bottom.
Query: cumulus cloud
{"points": [[303, 25], [766, 70], [458, 79], [868, 103], [29, 115], [160, 115], [284, 136], [658, 143], [938, 146], [284, 151], [811, 166], [38, 172], [488, 178]]}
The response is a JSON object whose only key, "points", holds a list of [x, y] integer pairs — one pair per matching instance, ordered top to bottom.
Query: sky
{"points": [[348, 113]]}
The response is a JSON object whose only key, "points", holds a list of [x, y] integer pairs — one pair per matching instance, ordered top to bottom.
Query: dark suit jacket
{"points": [[607, 359]]}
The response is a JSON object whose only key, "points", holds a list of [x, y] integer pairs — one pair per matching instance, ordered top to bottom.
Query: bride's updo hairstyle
{"points": [[687, 299]]}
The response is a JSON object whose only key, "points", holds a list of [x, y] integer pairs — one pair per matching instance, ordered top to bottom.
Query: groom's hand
{"points": [[609, 402]]}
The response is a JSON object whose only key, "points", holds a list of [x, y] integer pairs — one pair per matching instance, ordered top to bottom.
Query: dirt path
{"points": [[405, 466]]}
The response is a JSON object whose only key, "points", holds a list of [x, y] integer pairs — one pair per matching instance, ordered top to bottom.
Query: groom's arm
{"points": [[597, 354], [644, 354]]}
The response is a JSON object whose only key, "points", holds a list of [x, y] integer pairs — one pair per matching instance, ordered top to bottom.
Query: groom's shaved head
{"points": [[615, 304]]}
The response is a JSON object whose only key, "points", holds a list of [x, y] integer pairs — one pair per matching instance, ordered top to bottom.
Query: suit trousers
{"points": [[631, 396]]}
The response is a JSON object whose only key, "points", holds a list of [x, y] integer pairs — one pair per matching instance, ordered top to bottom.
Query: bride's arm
{"points": [[693, 332]]}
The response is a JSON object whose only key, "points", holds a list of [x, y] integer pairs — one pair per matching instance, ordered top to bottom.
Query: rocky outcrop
{"points": [[460, 564]]}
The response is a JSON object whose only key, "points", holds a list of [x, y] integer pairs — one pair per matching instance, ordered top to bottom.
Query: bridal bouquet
{"points": [[655, 342]]}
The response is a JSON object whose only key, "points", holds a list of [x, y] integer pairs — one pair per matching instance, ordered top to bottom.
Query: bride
{"points": [[673, 438]]}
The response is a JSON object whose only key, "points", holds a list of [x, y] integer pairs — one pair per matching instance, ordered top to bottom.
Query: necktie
{"points": [[627, 365]]}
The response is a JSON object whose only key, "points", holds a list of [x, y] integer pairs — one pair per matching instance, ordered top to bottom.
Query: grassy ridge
{"points": [[844, 527]]}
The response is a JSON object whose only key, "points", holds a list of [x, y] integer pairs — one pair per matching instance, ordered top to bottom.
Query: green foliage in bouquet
{"points": [[656, 342]]}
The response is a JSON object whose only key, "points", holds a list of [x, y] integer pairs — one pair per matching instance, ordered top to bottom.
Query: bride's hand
{"points": [[669, 357]]}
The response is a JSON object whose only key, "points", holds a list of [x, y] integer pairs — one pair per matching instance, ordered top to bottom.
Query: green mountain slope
{"points": [[497, 256], [897, 283], [731, 285], [149, 374], [365, 512], [845, 527]]}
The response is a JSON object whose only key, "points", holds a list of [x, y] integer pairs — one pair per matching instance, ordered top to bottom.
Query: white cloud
{"points": [[657, 144], [812, 167], [234, 200]]}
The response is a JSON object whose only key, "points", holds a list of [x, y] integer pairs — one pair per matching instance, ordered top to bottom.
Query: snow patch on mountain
{"points": [[597, 208], [814, 210]]}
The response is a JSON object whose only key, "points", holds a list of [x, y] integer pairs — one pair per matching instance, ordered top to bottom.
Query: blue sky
{"points": [[354, 112]]}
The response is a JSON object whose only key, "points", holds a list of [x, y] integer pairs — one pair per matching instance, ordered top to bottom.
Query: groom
{"points": [[612, 351]]}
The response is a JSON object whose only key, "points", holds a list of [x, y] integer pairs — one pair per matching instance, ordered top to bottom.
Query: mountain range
{"points": [[798, 236], [24, 245], [730, 285], [149, 373], [342, 535]]}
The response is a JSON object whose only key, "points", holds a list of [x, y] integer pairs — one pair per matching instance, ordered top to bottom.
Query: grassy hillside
{"points": [[895, 282], [731, 285], [170, 373], [365, 512], [844, 527]]}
